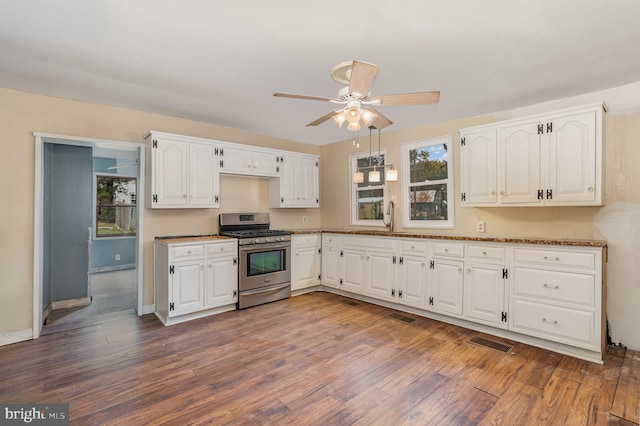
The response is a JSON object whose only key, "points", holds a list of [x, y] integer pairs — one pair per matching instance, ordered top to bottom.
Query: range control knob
{"points": [[267, 240]]}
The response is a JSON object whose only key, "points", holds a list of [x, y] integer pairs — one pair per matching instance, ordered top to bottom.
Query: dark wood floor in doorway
{"points": [[311, 360]]}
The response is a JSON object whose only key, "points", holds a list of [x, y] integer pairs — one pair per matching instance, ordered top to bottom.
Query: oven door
{"points": [[264, 265]]}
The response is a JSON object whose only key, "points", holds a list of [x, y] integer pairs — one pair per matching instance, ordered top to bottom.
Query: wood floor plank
{"points": [[311, 360]]}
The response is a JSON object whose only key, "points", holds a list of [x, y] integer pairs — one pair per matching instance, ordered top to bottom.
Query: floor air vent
{"points": [[349, 302], [401, 317], [496, 346]]}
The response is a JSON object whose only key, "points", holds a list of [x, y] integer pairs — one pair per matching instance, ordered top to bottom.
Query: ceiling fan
{"points": [[356, 100]]}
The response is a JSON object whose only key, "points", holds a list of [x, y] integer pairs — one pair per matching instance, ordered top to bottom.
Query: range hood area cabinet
{"points": [[553, 159], [183, 172], [298, 182]]}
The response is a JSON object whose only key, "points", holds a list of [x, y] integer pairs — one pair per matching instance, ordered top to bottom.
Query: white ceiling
{"points": [[221, 61]]}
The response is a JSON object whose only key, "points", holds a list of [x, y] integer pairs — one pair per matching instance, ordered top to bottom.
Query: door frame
{"points": [[38, 212]]}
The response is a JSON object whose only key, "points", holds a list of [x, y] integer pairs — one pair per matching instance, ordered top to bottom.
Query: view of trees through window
{"points": [[428, 177], [370, 195], [115, 206]]}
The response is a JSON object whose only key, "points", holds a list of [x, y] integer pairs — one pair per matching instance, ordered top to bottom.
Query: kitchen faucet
{"points": [[390, 212]]}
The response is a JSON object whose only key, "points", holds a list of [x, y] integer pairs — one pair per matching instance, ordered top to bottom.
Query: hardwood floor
{"points": [[312, 359]]}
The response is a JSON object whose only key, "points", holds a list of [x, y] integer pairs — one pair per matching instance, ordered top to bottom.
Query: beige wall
{"points": [[22, 113], [618, 221]]}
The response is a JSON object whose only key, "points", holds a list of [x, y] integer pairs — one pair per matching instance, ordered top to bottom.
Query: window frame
{"points": [[353, 166], [97, 175], [407, 222]]}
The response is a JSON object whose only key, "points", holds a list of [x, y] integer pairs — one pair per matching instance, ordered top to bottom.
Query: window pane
{"points": [[428, 163], [363, 166], [116, 190], [428, 202], [370, 204], [116, 221]]}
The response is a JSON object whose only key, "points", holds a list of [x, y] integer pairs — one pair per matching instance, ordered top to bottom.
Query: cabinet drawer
{"points": [[306, 239], [331, 240], [414, 247], [216, 249], [448, 249], [187, 252], [487, 253], [555, 258], [555, 286], [563, 325]]}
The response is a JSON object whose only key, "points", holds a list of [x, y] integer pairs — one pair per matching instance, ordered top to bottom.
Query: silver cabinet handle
{"points": [[552, 258], [556, 287], [549, 321]]}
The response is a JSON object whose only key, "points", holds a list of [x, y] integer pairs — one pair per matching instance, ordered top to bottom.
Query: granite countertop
{"points": [[194, 239], [542, 241]]}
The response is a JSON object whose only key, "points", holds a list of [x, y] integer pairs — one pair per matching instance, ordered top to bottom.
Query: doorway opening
{"points": [[87, 248]]}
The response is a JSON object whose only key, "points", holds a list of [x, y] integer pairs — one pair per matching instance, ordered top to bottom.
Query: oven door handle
{"points": [[265, 247], [269, 289]]}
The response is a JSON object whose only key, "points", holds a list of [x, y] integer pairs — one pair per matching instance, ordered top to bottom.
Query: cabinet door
{"points": [[572, 159], [236, 160], [519, 163], [265, 164], [289, 171], [478, 172], [203, 175], [170, 177], [308, 182], [354, 263], [331, 266], [306, 267], [380, 277], [221, 281], [413, 281], [446, 286], [187, 287], [484, 294]]}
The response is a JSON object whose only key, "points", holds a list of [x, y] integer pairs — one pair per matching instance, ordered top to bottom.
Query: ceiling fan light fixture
{"points": [[353, 115], [368, 117], [340, 118], [354, 127]]}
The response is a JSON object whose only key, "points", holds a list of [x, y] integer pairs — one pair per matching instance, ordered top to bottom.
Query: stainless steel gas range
{"points": [[264, 271]]}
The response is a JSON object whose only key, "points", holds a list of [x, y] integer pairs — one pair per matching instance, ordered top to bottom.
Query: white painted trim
{"points": [[40, 140], [71, 303], [146, 309], [16, 336]]}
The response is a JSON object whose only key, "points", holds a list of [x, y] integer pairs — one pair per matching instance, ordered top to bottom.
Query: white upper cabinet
{"points": [[553, 159], [249, 161], [183, 174], [298, 182]]}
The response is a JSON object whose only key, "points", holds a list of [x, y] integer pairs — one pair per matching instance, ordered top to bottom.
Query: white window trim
{"points": [[406, 208], [353, 211]]}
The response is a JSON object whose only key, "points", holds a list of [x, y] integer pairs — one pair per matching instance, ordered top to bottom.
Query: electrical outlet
{"points": [[305, 219], [480, 226], [117, 257]]}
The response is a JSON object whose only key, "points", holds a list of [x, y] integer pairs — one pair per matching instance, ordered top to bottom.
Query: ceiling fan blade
{"points": [[362, 75], [311, 98], [418, 98], [321, 119], [381, 121]]}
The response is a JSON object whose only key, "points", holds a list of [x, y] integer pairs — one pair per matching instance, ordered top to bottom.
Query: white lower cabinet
{"points": [[306, 261], [194, 280], [545, 295]]}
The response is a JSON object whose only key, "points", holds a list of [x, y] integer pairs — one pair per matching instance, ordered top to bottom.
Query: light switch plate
{"points": [[480, 226]]}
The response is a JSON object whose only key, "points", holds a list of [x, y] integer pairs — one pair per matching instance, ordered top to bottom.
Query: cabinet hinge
{"points": [[550, 127], [540, 129], [462, 141], [154, 143], [216, 151], [221, 151], [277, 159], [282, 159], [222, 164], [317, 164], [277, 169], [540, 194], [549, 194], [463, 197], [155, 198], [282, 199], [216, 200], [317, 200], [319, 251], [341, 253], [235, 260], [394, 260], [401, 260], [432, 265], [171, 269], [505, 274], [319, 277], [340, 281], [393, 292], [235, 293], [400, 294], [431, 301], [172, 307], [504, 317]]}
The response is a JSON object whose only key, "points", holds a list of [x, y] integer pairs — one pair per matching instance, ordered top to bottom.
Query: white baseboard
{"points": [[71, 303], [16, 336]]}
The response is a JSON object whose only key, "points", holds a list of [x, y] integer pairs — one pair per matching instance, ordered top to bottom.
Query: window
{"points": [[428, 184], [368, 198], [115, 206]]}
